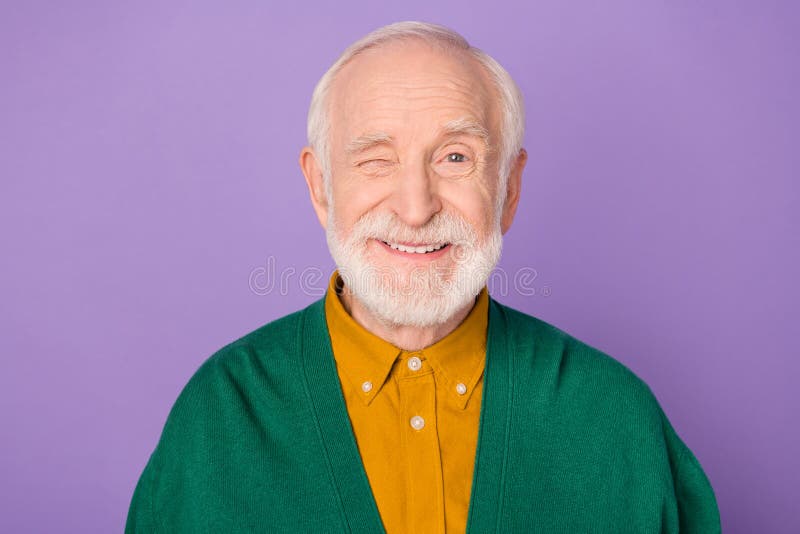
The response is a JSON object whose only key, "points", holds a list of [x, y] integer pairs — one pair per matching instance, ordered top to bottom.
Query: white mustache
{"points": [[443, 227]]}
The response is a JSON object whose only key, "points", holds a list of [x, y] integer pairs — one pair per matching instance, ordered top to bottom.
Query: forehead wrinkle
{"points": [[393, 90], [408, 93], [386, 110], [378, 125]]}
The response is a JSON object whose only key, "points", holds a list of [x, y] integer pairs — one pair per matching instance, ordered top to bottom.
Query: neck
{"points": [[402, 336]]}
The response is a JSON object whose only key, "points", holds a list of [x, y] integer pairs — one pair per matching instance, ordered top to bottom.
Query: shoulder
{"points": [[277, 342], [538, 342], [556, 364], [260, 369], [244, 406], [591, 418]]}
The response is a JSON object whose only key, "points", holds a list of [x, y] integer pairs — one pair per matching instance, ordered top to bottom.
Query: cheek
{"points": [[353, 198], [474, 203]]}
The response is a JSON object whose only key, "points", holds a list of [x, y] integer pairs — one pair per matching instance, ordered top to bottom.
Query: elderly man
{"points": [[408, 400]]}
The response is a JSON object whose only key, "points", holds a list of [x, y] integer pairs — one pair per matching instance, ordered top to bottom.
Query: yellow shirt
{"points": [[415, 416]]}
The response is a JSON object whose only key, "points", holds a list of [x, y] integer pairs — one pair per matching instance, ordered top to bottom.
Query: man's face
{"points": [[411, 218]]}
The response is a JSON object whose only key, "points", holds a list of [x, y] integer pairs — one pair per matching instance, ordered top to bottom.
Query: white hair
{"points": [[511, 104]]}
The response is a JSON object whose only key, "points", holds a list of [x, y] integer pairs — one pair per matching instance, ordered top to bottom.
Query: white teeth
{"points": [[415, 250]]}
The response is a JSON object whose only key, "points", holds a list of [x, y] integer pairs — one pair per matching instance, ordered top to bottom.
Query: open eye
{"points": [[455, 157]]}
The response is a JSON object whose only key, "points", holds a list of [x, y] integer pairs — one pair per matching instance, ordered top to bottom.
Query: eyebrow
{"points": [[466, 126], [367, 141]]}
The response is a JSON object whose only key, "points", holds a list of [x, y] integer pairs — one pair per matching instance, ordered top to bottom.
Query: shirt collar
{"points": [[458, 358], [365, 360]]}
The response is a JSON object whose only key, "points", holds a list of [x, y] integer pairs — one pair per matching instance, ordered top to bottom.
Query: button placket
{"points": [[425, 506]]}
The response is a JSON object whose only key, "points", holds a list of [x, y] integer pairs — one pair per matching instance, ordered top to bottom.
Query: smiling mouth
{"points": [[412, 249]]}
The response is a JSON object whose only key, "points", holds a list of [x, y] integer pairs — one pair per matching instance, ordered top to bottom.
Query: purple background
{"points": [[148, 165]]}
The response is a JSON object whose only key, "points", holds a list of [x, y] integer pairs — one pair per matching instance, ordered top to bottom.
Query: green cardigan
{"points": [[570, 441]]}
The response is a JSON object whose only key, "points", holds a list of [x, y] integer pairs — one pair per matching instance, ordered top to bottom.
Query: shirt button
{"points": [[414, 363], [366, 387], [461, 388], [417, 422]]}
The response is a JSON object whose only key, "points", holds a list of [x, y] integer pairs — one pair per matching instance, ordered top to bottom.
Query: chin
{"points": [[415, 295], [419, 304]]}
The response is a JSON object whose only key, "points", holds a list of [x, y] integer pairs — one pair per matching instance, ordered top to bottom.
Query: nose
{"points": [[414, 198]]}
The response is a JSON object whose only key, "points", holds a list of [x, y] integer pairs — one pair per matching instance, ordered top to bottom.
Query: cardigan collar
{"points": [[357, 505]]}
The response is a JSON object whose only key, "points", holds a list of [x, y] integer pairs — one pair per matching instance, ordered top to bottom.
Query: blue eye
{"points": [[455, 157]]}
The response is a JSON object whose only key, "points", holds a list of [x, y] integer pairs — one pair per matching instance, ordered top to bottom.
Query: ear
{"points": [[316, 185], [513, 190]]}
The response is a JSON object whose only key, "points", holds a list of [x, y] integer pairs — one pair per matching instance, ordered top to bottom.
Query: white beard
{"points": [[409, 296]]}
